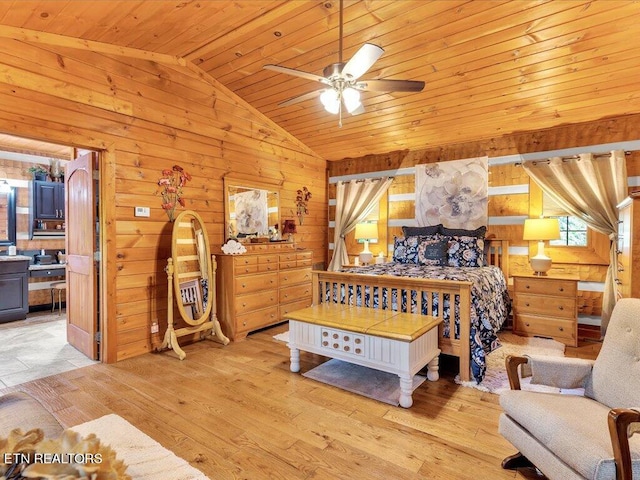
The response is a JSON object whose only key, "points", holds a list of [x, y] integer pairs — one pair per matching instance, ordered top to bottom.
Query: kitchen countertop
{"points": [[14, 258], [51, 266]]}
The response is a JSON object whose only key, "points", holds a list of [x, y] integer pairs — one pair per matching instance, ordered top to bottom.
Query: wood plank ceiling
{"points": [[490, 67]]}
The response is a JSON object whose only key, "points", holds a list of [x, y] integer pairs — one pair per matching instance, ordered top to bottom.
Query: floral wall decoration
{"points": [[171, 184], [453, 193], [302, 201]]}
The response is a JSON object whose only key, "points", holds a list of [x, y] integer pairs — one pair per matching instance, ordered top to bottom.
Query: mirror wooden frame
{"points": [[270, 188], [11, 218], [190, 267]]}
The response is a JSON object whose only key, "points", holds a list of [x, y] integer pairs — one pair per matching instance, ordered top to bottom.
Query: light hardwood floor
{"points": [[237, 412]]}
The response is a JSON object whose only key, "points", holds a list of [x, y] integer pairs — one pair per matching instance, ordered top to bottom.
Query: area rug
{"points": [[496, 381], [381, 386], [145, 458]]}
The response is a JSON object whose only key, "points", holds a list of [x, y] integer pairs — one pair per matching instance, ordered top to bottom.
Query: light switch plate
{"points": [[142, 212]]}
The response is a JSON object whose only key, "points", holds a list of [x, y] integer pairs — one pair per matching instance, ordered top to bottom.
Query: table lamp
{"points": [[539, 230], [366, 232]]}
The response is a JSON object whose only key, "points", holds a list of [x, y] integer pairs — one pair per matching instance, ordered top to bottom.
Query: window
{"points": [[573, 232]]}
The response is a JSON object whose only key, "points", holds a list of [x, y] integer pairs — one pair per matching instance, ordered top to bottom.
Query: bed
{"points": [[474, 289]]}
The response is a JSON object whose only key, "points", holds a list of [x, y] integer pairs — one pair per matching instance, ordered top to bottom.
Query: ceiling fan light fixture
{"points": [[351, 98], [330, 100]]}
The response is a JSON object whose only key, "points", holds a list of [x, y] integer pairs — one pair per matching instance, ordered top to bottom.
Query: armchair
{"points": [[573, 436]]}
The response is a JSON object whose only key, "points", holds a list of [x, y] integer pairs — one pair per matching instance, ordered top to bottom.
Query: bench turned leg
{"points": [[295, 360], [432, 369], [406, 390]]}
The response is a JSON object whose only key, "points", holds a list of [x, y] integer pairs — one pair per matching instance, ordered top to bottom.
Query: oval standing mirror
{"points": [[191, 267], [191, 271]]}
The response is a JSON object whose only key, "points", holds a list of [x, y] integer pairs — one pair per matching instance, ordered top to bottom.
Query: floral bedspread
{"points": [[490, 302]]}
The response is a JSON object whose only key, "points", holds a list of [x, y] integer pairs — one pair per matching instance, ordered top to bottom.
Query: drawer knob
{"points": [[244, 285], [527, 287], [561, 289], [286, 295], [244, 304], [526, 304], [560, 308], [244, 324], [526, 324], [561, 329], [325, 334], [335, 335], [346, 338], [358, 341], [325, 343], [335, 345], [346, 348], [358, 350]]}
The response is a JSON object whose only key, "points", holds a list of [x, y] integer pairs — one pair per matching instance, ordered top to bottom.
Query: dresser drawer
{"points": [[304, 255], [287, 257], [268, 259], [245, 260], [305, 262], [288, 264], [267, 267], [54, 272], [292, 277], [254, 283], [546, 286], [296, 292], [255, 301], [552, 306], [287, 308], [257, 319], [561, 330]]}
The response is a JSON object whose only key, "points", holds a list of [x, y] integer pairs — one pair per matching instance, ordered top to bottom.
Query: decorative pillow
{"points": [[428, 230], [461, 232], [405, 249], [433, 251], [465, 251]]}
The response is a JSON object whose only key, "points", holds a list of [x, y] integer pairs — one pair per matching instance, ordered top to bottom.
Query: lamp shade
{"points": [[537, 229], [367, 231]]}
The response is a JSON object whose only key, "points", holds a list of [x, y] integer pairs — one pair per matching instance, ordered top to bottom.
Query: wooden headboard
{"points": [[497, 253]]}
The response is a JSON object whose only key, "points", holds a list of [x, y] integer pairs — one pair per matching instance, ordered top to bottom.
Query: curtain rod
{"points": [[568, 158], [372, 179]]}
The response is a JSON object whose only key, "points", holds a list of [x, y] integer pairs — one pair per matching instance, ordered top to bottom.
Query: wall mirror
{"points": [[252, 209], [7, 216], [191, 281]]}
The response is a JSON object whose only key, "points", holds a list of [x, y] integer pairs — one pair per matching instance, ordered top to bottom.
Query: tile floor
{"points": [[36, 347]]}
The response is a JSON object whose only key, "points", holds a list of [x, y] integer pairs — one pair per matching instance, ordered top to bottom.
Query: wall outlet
{"points": [[142, 212], [155, 328]]}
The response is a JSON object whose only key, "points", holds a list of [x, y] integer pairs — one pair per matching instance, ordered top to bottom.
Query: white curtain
{"points": [[589, 188], [354, 201]]}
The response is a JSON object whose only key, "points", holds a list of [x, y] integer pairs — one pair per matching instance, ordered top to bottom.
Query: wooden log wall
{"points": [[145, 116], [510, 199]]}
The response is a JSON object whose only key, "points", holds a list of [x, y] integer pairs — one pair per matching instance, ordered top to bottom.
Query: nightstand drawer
{"points": [[545, 286], [551, 306], [562, 330]]}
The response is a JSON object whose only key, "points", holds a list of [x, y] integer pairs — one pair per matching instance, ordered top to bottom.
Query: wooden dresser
{"points": [[628, 252], [258, 288], [546, 306]]}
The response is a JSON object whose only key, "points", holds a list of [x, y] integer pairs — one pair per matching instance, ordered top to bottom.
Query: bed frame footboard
{"points": [[395, 293]]}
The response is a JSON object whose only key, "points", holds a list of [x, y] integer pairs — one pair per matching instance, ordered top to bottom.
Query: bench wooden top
{"points": [[371, 321]]}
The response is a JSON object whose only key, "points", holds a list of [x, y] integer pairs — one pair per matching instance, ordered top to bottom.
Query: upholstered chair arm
{"points": [[512, 362], [559, 372], [623, 422]]}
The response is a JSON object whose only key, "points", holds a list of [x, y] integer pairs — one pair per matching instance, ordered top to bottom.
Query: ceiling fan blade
{"points": [[362, 61], [297, 73], [390, 85], [301, 98]]}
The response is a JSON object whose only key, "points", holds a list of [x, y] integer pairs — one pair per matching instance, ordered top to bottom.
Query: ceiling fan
{"points": [[342, 82]]}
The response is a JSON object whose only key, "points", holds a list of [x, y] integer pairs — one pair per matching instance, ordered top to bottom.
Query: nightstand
{"points": [[546, 306]]}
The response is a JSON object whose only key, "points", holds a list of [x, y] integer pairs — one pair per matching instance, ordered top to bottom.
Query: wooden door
{"points": [[80, 206]]}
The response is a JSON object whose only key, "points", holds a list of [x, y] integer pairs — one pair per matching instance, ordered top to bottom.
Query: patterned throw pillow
{"points": [[479, 232], [405, 249], [433, 251], [465, 251]]}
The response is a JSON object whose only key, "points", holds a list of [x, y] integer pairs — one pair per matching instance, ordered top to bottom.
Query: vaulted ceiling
{"points": [[490, 67]]}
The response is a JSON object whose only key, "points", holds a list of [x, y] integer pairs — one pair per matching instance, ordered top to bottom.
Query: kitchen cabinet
{"points": [[14, 285]]}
